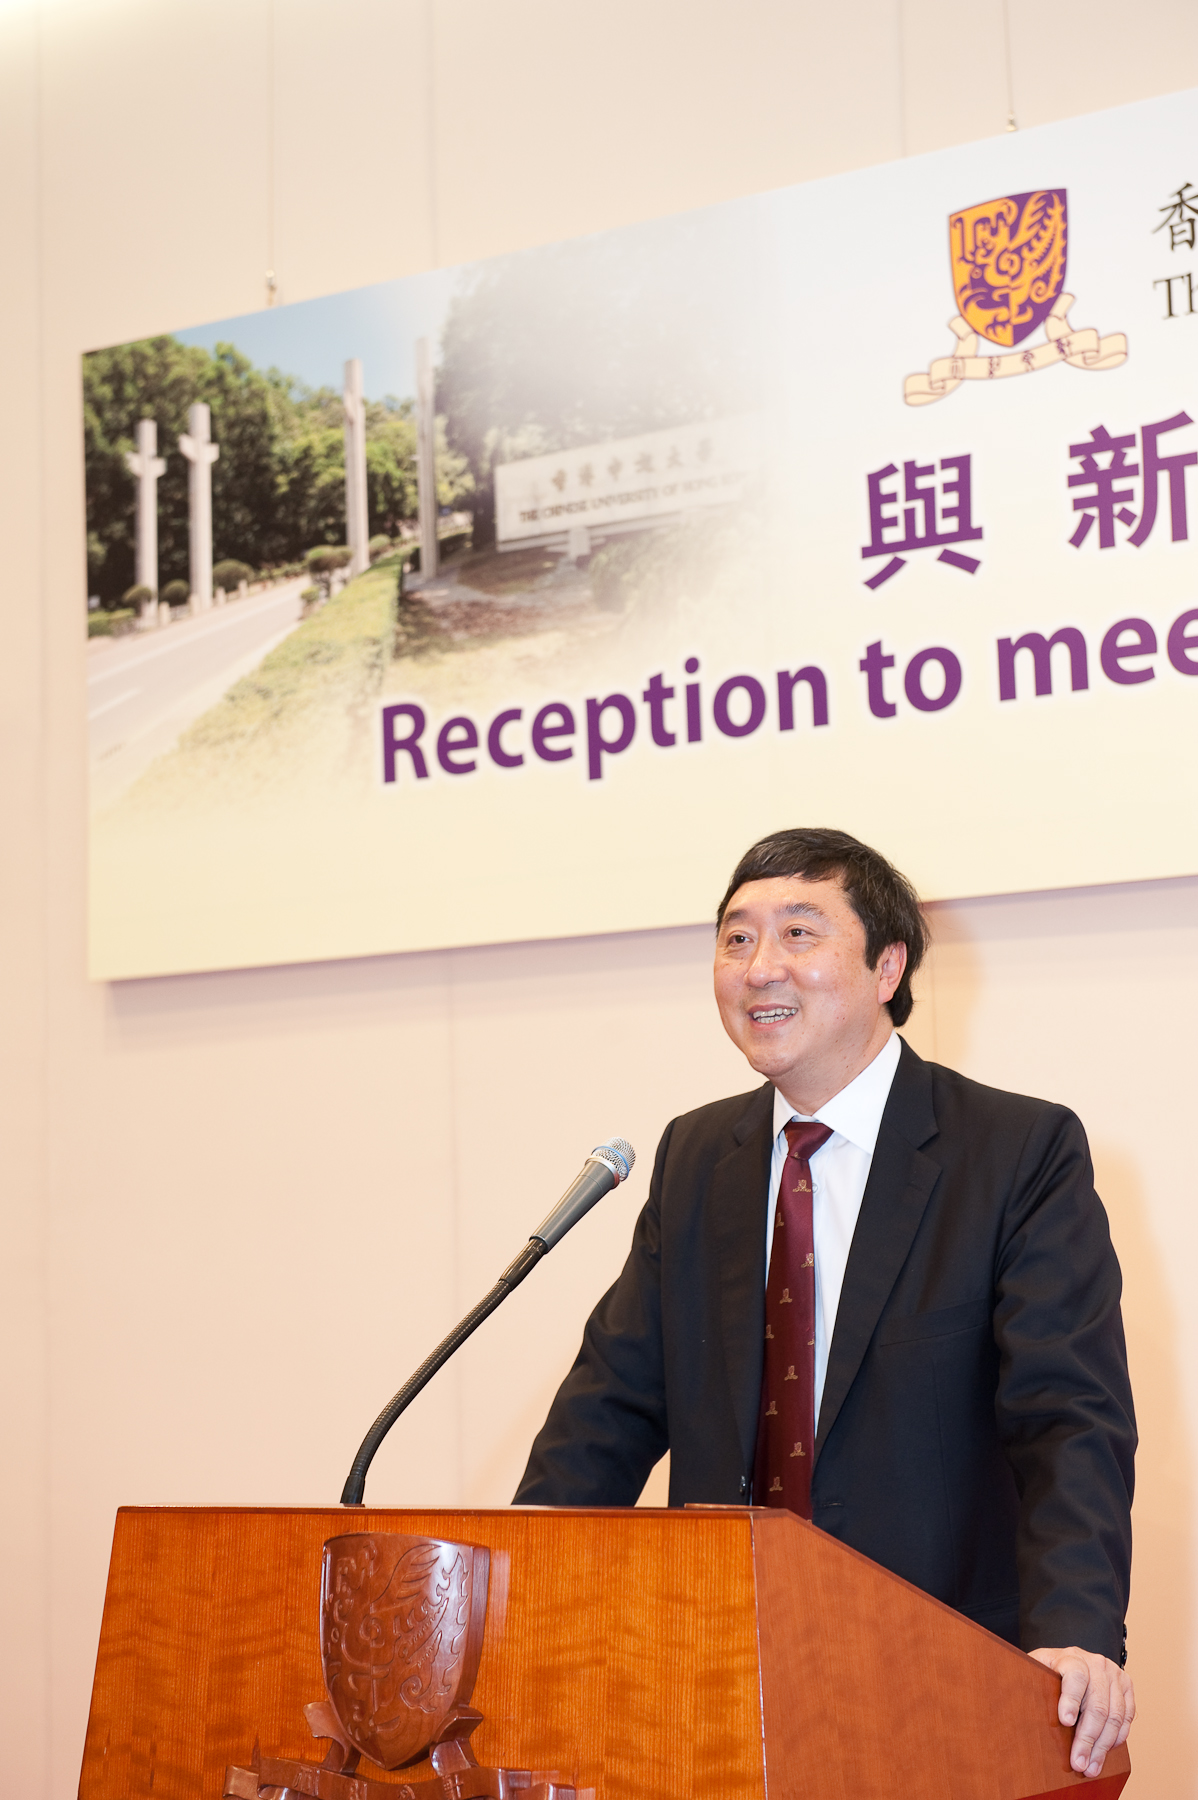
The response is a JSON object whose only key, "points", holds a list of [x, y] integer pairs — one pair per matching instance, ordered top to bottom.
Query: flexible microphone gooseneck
{"points": [[605, 1168]]}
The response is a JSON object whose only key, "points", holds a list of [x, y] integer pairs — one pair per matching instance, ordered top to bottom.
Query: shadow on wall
{"points": [[1086, 996], [948, 1001], [1159, 1624]]}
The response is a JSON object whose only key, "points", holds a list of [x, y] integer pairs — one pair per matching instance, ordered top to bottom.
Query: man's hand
{"points": [[1098, 1695]]}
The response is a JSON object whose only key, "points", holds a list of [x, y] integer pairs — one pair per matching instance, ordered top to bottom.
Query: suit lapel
{"points": [[901, 1179], [737, 1202]]}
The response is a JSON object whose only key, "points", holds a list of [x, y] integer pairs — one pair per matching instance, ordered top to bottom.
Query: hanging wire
{"points": [[1006, 38], [430, 92], [272, 285]]}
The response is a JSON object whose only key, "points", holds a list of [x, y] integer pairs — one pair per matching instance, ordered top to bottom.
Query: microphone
{"points": [[605, 1168]]}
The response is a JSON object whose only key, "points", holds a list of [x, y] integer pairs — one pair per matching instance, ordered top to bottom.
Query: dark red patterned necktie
{"points": [[786, 1423]]}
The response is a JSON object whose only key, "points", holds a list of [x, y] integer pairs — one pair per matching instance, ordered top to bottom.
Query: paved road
{"points": [[145, 689]]}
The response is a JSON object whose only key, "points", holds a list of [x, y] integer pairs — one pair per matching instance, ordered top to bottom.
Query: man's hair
{"points": [[884, 901]]}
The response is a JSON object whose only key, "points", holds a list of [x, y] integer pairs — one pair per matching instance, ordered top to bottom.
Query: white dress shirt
{"points": [[839, 1172]]}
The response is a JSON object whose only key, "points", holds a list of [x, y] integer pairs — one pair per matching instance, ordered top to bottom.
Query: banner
{"points": [[864, 503]]}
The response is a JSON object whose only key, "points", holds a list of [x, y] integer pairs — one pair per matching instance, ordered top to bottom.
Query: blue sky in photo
{"points": [[313, 339]]}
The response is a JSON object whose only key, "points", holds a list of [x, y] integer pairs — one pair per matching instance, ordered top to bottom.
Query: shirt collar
{"points": [[856, 1111]]}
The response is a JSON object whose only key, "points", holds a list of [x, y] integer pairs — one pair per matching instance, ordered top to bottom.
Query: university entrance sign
{"points": [[660, 475]]}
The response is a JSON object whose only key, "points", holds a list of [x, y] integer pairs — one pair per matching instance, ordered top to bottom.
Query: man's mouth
{"points": [[772, 1015]]}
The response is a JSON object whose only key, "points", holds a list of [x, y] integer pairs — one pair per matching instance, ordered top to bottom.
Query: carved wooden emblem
{"points": [[401, 1634]]}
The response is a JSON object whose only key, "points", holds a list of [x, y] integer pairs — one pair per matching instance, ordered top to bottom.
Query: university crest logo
{"points": [[1008, 259]]}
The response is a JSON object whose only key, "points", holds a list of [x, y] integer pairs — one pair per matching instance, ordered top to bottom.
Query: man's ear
{"points": [[890, 966]]}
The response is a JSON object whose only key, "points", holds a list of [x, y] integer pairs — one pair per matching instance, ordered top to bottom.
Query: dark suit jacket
{"points": [[976, 1433]]}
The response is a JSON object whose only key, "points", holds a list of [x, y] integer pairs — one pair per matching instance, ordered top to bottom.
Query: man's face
{"points": [[793, 988]]}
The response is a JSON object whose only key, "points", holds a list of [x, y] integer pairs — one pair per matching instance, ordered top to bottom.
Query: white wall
{"points": [[239, 1208]]}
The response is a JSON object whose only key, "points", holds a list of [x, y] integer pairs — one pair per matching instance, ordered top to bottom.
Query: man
{"points": [[875, 1292]]}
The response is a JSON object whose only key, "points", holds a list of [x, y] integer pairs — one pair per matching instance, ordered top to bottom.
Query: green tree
{"points": [[606, 337], [157, 379], [160, 379], [250, 415], [390, 465], [312, 474], [454, 478], [278, 486]]}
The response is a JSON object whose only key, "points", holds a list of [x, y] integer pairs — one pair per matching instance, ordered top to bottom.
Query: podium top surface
{"points": [[712, 1653]]}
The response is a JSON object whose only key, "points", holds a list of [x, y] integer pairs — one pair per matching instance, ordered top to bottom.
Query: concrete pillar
{"points": [[197, 446], [426, 457], [146, 464], [357, 529]]}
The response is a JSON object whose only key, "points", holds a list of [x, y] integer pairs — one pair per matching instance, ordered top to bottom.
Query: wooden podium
{"points": [[711, 1654]]}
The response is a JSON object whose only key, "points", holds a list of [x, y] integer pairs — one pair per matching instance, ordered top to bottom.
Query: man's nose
{"points": [[767, 965]]}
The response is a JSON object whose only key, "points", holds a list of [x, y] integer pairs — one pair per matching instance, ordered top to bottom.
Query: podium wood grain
{"points": [[657, 1655]]}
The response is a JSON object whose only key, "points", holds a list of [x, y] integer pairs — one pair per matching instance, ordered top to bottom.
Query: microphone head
{"points": [[618, 1155]]}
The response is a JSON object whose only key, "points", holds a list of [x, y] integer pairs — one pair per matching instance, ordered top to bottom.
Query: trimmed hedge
{"points": [[230, 573], [111, 624]]}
